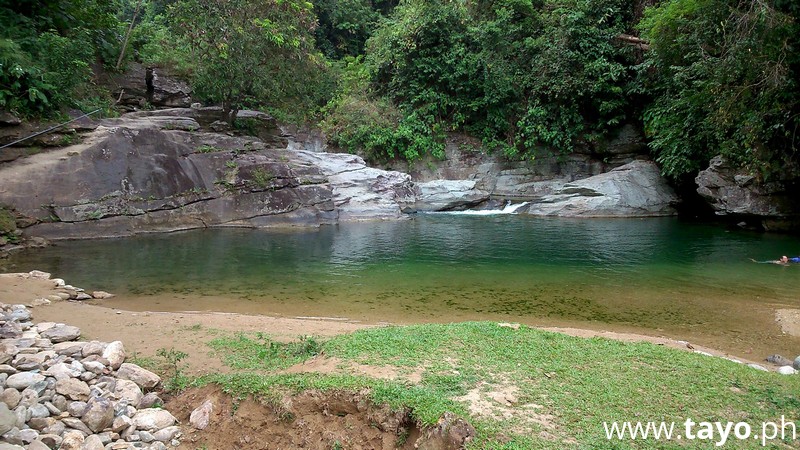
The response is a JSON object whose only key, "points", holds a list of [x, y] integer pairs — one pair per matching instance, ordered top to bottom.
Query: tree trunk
{"points": [[229, 112]]}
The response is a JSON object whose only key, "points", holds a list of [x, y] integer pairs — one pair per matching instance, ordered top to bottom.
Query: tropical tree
{"points": [[245, 51], [724, 79]]}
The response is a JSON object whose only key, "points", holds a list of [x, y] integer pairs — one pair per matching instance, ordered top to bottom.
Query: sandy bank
{"points": [[143, 333]]}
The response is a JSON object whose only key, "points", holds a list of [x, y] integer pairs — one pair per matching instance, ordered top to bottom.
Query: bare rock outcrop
{"points": [[159, 172], [636, 189], [736, 193]]}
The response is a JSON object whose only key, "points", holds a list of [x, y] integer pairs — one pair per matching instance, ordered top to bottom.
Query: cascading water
{"points": [[509, 208]]}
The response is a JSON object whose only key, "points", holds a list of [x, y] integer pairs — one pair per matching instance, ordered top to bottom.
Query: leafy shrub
{"points": [[519, 75], [723, 75], [22, 85], [358, 120]]}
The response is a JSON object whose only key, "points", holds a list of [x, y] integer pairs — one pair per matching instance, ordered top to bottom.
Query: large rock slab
{"points": [[158, 171], [148, 172], [636, 189], [360, 192], [734, 192], [444, 195], [62, 333]]}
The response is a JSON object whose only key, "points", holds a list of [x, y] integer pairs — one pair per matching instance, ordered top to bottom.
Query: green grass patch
{"points": [[258, 352], [574, 384]]}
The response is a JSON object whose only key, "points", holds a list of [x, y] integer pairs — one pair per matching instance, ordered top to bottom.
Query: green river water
{"points": [[653, 276]]}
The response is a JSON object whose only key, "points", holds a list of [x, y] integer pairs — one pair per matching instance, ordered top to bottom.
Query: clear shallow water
{"points": [[658, 276]]}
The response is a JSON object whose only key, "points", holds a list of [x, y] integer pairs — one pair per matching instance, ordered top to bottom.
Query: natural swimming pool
{"points": [[655, 276]]}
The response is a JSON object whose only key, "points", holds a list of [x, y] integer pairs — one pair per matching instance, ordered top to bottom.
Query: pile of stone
{"points": [[59, 393]]}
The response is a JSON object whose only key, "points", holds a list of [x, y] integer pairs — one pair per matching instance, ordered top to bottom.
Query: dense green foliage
{"points": [[345, 25], [242, 48], [47, 50], [519, 74], [724, 75], [391, 78]]}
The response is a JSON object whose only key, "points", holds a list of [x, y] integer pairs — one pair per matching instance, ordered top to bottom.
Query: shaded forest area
{"points": [[390, 79]]}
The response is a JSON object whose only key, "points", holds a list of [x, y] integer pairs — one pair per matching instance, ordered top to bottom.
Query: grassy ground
{"points": [[524, 388]]}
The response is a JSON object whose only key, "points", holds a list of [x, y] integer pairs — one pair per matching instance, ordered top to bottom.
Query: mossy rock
{"points": [[8, 223]]}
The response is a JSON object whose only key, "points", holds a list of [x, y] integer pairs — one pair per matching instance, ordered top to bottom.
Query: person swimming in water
{"points": [[784, 260]]}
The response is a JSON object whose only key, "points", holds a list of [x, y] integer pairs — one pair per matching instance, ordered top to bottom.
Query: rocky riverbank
{"points": [[179, 168], [61, 393]]}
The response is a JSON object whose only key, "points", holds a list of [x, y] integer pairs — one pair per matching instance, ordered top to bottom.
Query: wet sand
{"points": [[144, 332]]}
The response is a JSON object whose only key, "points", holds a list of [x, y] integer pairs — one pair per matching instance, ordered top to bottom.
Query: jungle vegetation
{"points": [[390, 78]]}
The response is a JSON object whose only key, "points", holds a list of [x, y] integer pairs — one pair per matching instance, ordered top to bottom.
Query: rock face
{"points": [[140, 86], [163, 171], [151, 173], [526, 180], [633, 190], [359, 192], [732, 192], [443, 195]]}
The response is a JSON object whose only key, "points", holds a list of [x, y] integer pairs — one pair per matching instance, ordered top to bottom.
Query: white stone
{"points": [[93, 348], [115, 354], [758, 367], [787, 370], [62, 371], [142, 377], [22, 380], [201, 416], [153, 419], [167, 434]]}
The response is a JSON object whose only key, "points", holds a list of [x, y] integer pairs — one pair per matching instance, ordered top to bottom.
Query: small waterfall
{"points": [[509, 208]]}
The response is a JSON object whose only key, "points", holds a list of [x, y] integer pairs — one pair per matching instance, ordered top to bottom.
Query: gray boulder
{"points": [[636, 189], [732, 191], [444, 195], [62, 333], [143, 378], [23, 380], [99, 414], [7, 419]]}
